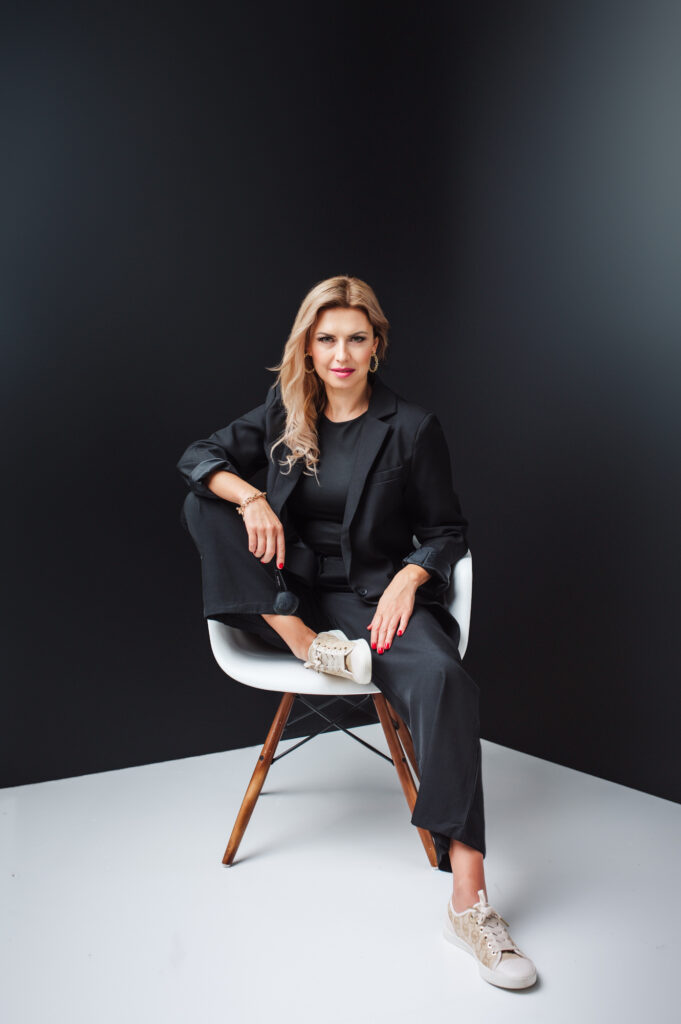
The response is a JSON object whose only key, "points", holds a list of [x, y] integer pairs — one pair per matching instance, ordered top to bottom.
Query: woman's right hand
{"points": [[265, 531]]}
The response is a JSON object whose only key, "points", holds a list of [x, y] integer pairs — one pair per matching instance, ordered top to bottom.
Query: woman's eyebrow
{"points": [[325, 334]]}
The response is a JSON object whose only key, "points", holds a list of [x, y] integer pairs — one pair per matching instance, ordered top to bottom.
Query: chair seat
{"points": [[247, 658], [250, 660]]}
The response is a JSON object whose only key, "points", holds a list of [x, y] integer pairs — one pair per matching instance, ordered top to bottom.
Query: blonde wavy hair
{"points": [[303, 394]]}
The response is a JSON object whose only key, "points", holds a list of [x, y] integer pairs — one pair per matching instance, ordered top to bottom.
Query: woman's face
{"points": [[343, 340]]}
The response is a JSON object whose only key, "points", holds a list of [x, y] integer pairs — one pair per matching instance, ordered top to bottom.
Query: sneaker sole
{"points": [[491, 976]]}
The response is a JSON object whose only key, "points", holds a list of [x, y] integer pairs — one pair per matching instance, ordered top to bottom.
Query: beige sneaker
{"points": [[332, 652], [481, 931]]}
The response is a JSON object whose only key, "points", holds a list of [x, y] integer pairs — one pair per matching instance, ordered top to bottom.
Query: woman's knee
{"points": [[191, 511], [206, 517]]}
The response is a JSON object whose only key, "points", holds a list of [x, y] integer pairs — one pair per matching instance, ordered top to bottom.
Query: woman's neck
{"points": [[347, 406]]}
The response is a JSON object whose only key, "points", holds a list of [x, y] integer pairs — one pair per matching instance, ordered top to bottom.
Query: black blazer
{"points": [[401, 485]]}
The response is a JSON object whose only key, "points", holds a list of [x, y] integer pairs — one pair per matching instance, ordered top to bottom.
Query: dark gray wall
{"points": [[506, 177], [568, 366]]}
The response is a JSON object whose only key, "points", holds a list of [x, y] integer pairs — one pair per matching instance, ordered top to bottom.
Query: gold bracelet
{"points": [[251, 497]]}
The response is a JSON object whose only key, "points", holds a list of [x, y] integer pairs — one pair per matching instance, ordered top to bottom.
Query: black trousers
{"points": [[421, 674]]}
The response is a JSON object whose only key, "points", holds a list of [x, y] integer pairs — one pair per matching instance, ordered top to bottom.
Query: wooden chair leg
{"points": [[405, 736], [259, 775], [404, 775]]}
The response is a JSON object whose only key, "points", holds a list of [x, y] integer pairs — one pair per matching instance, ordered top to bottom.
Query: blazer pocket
{"points": [[383, 475]]}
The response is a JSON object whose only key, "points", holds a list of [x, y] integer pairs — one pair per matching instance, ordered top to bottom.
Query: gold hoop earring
{"points": [[304, 358], [373, 368]]}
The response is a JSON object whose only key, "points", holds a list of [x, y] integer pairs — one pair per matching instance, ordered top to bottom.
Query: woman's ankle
{"points": [[293, 632], [307, 639], [464, 900]]}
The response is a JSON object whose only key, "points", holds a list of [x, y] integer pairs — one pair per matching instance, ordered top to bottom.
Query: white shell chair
{"points": [[248, 659]]}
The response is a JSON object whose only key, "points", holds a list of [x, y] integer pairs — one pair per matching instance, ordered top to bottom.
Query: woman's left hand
{"points": [[395, 606]]}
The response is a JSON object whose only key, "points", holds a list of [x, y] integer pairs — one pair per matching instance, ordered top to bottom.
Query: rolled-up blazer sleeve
{"points": [[238, 448], [432, 504]]}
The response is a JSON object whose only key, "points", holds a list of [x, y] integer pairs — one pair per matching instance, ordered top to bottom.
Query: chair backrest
{"points": [[459, 594]]}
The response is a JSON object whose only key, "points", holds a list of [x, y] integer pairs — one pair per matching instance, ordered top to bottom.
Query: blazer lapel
{"points": [[368, 444], [282, 483]]}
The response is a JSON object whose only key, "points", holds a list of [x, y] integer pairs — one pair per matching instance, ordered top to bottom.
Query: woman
{"points": [[353, 472]]}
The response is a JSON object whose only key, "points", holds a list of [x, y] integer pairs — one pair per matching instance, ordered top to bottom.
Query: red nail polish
{"points": [[280, 566], [399, 632], [373, 647], [387, 647], [380, 650]]}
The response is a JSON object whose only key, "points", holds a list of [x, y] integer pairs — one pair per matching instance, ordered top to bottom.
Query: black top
{"points": [[317, 508]]}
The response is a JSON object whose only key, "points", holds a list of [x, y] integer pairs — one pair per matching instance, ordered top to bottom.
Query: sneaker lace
{"points": [[329, 654], [494, 927]]}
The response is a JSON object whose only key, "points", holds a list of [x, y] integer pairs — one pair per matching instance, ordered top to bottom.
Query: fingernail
{"points": [[280, 566], [399, 632], [373, 647], [387, 647], [380, 650]]}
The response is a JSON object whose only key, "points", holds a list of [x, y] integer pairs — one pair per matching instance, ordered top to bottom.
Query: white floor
{"points": [[115, 906]]}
